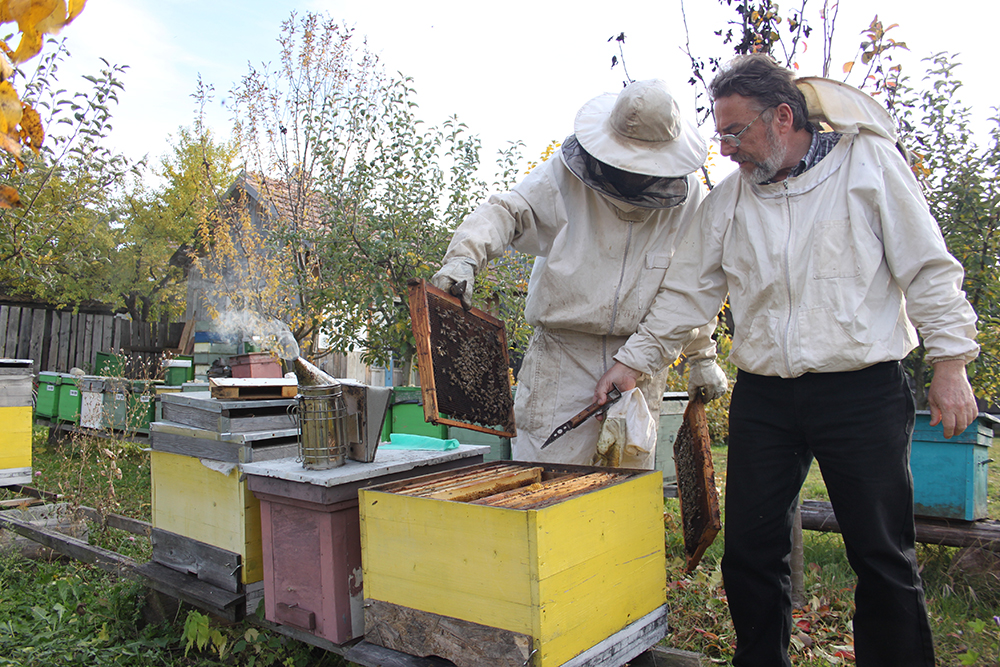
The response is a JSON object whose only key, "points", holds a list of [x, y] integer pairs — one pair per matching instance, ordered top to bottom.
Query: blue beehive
{"points": [[949, 475]]}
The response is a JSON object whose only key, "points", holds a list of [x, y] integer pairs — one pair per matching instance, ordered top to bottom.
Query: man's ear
{"points": [[784, 117]]}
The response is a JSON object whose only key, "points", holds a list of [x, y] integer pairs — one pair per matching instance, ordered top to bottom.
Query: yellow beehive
{"points": [[16, 418], [15, 445], [208, 504], [567, 575]]}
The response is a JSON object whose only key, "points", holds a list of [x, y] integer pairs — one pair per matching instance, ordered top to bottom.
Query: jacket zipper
{"points": [[788, 282], [618, 289]]}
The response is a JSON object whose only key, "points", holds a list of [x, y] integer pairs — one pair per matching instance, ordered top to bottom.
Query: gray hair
{"points": [[759, 77]]}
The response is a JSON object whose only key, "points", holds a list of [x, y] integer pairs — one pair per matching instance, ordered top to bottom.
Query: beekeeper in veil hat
{"points": [[602, 218]]}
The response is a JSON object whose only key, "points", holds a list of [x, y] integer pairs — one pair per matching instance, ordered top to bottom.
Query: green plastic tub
{"points": [[47, 404], [68, 409], [408, 414]]}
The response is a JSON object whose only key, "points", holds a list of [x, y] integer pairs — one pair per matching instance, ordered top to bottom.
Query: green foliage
{"points": [[396, 191], [155, 224], [56, 247], [53, 614]]}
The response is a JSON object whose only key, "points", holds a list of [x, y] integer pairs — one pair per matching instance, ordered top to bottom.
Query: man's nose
{"points": [[726, 149]]}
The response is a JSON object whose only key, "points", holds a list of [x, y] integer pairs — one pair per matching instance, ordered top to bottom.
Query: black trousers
{"points": [[858, 427]]}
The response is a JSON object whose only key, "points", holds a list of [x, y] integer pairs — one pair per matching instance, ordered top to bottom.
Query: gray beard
{"points": [[764, 171]]}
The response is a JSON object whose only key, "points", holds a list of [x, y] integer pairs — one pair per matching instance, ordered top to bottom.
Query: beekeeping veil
{"points": [[634, 146]]}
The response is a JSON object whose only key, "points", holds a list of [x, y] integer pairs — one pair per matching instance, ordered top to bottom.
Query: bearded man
{"points": [[829, 255]]}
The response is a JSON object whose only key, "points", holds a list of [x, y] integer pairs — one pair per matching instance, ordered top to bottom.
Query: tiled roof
{"points": [[285, 199]]}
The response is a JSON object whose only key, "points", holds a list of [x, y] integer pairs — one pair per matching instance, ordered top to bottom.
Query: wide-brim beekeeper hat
{"points": [[640, 130]]}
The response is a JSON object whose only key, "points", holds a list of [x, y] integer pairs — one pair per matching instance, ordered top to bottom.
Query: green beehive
{"points": [[109, 365], [178, 371], [116, 392], [47, 404], [141, 405], [68, 409], [408, 414]]}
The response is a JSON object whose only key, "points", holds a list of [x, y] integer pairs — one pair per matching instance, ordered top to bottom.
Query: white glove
{"points": [[454, 273], [706, 376], [628, 434], [610, 443]]}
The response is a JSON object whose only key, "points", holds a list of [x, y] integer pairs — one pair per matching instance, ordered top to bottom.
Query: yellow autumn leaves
{"points": [[36, 18], [20, 124]]}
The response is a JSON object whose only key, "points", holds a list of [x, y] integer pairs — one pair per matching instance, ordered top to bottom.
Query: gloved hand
{"points": [[453, 274], [707, 376], [613, 438]]}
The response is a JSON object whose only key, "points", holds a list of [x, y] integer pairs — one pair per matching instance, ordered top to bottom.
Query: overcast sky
{"points": [[517, 70]]}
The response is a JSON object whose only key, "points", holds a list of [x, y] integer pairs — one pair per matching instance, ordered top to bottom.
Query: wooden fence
{"points": [[57, 340]]}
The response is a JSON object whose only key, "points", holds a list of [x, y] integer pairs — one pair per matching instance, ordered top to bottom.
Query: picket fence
{"points": [[58, 340]]}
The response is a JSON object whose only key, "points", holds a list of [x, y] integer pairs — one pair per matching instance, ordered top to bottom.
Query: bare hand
{"points": [[619, 374], [950, 398]]}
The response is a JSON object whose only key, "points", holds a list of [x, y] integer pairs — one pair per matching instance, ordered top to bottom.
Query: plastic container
{"points": [[109, 365], [255, 365], [177, 371], [116, 391], [92, 401], [47, 404], [408, 414], [499, 446]]}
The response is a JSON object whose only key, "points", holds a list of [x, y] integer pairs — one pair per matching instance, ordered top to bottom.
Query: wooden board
{"points": [[462, 358], [255, 388], [201, 410], [228, 447], [553, 491], [699, 499], [818, 515], [219, 567], [188, 588], [424, 634], [412, 638]]}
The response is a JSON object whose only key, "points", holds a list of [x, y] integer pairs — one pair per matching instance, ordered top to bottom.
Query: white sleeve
{"points": [[930, 277], [691, 294]]}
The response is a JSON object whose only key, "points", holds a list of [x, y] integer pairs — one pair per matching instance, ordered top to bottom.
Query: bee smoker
{"points": [[322, 426]]}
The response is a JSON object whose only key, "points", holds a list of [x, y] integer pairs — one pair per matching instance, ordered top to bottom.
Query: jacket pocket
{"points": [[834, 254], [657, 260], [824, 345], [759, 350]]}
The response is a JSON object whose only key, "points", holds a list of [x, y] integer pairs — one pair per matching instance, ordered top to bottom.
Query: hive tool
{"points": [[593, 409]]}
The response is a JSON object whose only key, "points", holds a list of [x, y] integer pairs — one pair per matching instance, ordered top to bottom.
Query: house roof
{"points": [[278, 201], [283, 201]]}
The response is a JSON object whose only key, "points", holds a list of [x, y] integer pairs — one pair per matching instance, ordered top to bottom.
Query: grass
{"points": [[962, 604], [63, 612], [67, 613]]}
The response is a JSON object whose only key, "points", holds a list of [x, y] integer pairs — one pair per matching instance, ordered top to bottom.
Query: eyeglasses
{"points": [[734, 139]]}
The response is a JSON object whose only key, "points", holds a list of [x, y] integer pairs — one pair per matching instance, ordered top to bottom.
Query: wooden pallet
{"points": [[245, 388], [396, 635]]}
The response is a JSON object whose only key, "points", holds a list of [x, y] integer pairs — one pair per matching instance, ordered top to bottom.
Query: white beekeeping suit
{"points": [[602, 218]]}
